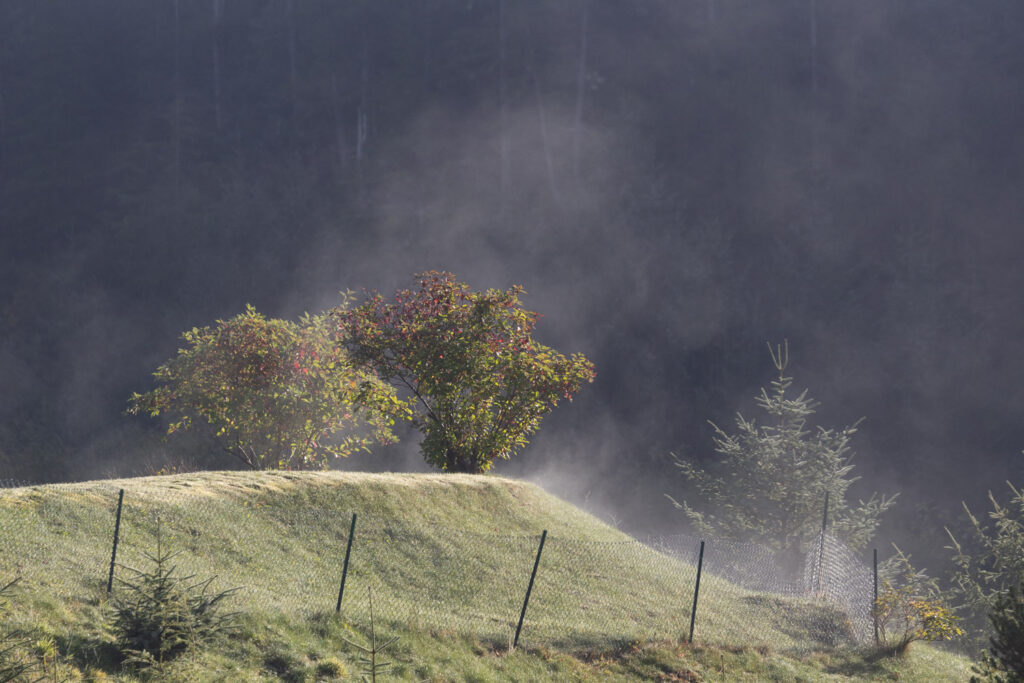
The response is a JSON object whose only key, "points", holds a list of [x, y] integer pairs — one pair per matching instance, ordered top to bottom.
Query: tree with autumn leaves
{"points": [[461, 365], [476, 381], [278, 394]]}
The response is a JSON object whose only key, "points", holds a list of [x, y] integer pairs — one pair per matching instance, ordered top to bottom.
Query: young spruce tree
{"points": [[770, 480]]}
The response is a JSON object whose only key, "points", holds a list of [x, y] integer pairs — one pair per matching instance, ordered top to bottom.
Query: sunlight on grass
{"points": [[449, 555]]}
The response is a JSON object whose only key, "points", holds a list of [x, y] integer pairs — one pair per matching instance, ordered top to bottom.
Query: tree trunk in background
{"points": [[218, 15], [6, 32], [712, 42], [814, 46], [292, 50], [581, 87], [713, 87], [814, 88], [177, 96], [3, 117], [542, 118], [502, 121], [362, 132], [341, 149], [548, 160], [816, 213]]}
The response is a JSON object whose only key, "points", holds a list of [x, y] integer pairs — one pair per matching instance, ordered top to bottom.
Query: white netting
{"points": [[434, 576]]}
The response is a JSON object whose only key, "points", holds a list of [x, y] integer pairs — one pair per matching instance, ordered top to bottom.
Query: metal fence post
{"points": [[117, 533], [821, 548], [344, 570], [533, 575], [696, 592], [874, 605]]}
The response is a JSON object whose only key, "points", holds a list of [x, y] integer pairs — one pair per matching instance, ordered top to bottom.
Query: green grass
{"points": [[446, 558]]}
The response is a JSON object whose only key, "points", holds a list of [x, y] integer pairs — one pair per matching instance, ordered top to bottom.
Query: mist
{"points": [[674, 183]]}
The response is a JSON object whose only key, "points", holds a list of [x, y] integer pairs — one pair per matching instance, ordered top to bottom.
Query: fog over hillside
{"points": [[675, 183]]}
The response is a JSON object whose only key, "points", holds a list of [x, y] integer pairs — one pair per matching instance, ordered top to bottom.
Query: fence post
{"points": [[117, 533], [821, 548], [344, 570], [696, 591], [526, 601], [874, 605]]}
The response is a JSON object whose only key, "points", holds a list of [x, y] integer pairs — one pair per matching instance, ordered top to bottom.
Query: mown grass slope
{"points": [[446, 560]]}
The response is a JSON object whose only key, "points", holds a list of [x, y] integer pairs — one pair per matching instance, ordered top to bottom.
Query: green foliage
{"points": [[478, 382], [278, 394], [770, 481], [993, 565], [910, 607], [161, 615], [1008, 624], [1004, 660], [369, 661], [15, 664]]}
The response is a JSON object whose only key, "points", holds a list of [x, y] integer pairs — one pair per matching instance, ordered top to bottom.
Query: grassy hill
{"points": [[446, 560]]}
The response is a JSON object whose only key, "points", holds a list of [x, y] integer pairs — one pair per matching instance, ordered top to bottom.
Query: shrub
{"points": [[910, 607], [161, 614], [331, 667]]}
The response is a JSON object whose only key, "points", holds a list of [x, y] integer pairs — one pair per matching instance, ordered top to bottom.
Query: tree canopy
{"points": [[477, 382], [278, 394]]}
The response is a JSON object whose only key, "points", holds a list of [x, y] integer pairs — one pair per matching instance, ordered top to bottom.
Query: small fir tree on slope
{"points": [[770, 480]]}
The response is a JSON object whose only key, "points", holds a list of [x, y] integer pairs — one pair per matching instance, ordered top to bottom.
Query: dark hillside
{"points": [[674, 183]]}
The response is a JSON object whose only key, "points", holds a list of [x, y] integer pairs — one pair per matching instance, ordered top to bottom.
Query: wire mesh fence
{"points": [[431, 575], [841, 578]]}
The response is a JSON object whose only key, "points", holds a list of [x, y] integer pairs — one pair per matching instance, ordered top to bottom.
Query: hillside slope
{"points": [[446, 559]]}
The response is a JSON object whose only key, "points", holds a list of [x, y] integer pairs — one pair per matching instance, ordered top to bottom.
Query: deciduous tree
{"points": [[477, 381], [280, 395]]}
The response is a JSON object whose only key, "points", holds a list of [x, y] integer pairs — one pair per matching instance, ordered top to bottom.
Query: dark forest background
{"points": [[675, 182]]}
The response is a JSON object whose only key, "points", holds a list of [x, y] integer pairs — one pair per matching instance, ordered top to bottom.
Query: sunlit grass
{"points": [[446, 557]]}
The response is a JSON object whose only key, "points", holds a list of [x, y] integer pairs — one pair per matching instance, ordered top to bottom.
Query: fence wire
{"points": [[434, 576], [838, 576]]}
